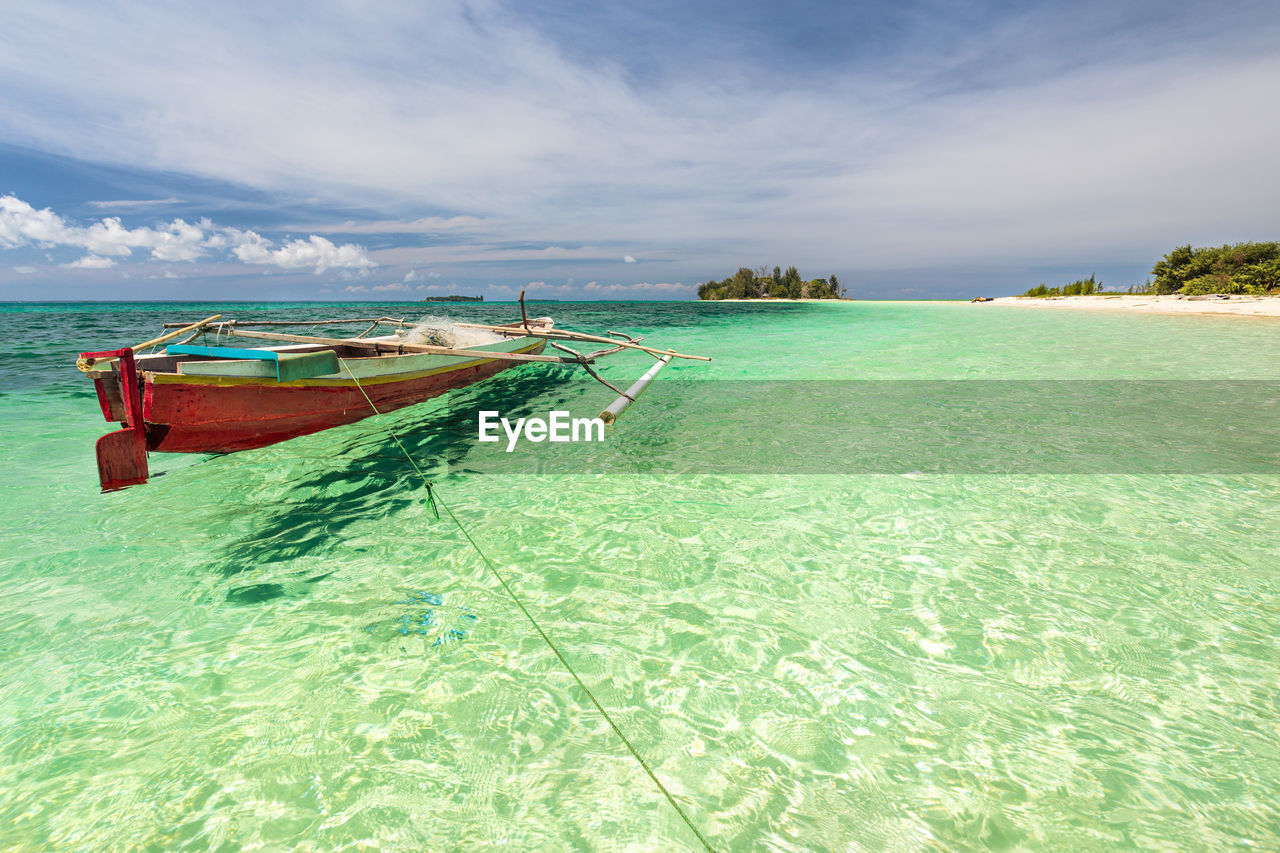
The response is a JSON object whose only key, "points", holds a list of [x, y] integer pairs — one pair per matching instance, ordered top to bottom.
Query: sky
{"points": [[607, 150]]}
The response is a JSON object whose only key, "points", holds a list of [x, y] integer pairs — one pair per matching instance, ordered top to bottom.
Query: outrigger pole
{"points": [[391, 321], [565, 335], [396, 348], [93, 360], [626, 398], [609, 415]]}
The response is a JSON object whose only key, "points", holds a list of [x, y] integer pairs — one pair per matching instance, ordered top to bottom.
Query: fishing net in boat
{"points": [[443, 332]]}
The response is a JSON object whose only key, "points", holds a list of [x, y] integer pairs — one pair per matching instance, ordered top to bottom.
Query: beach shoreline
{"points": [[1232, 306]]}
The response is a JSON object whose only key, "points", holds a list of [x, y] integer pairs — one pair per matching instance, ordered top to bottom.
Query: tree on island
{"points": [[1237, 268], [1252, 268], [758, 284], [1082, 287]]}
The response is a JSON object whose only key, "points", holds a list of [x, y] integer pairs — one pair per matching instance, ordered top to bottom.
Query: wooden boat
{"points": [[202, 398]]}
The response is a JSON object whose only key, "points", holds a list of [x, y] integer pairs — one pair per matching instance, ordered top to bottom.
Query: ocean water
{"points": [[284, 649]]}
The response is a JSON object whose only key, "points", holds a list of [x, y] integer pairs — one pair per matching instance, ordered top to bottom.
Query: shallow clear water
{"points": [[284, 648]]}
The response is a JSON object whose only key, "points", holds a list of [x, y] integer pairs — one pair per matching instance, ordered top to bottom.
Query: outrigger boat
{"points": [[203, 396]]}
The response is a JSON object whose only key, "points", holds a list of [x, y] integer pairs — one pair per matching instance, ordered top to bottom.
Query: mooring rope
{"points": [[431, 494], [433, 498]]}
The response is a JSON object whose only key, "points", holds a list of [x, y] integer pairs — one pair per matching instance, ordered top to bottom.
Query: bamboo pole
{"points": [[302, 322], [190, 328], [563, 335], [397, 348], [598, 353], [582, 360], [87, 364], [618, 406]]}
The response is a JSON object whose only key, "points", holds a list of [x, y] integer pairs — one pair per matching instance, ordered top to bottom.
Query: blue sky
{"points": [[624, 150]]}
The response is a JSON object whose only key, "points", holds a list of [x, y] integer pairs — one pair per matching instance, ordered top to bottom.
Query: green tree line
{"points": [[1233, 268], [760, 284], [1082, 287]]}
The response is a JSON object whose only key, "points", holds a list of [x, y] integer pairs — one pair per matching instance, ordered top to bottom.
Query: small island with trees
{"points": [[760, 284], [454, 299]]}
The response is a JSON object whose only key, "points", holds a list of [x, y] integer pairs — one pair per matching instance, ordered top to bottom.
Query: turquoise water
{"points": [[283, 648]]}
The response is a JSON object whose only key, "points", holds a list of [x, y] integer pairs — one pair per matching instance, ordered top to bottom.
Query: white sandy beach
{"points": [[1243, 306]]}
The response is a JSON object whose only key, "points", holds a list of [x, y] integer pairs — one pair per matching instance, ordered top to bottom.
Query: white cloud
{"points": [[466, 107], [134, 204], [23, 225], [428, 225], [177, 241], [249, 246], [316, 252], [488, 252], [320, 253], [627, 259], [91, 262], [24, 270], [391, 287], [438, 287], [355, 288], [648, 289]]}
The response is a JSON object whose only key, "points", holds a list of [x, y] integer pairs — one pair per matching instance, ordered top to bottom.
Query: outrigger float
{"points": [[201, 395]]}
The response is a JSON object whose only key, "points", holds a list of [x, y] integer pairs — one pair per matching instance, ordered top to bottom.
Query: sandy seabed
{"points": [[1244, 306]]}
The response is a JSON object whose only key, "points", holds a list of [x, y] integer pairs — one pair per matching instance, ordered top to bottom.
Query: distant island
{"points": [[1238, 268], [759, 284], [454, 299]]}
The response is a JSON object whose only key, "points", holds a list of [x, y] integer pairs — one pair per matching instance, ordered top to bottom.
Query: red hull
{"points": [[205, 417]]}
